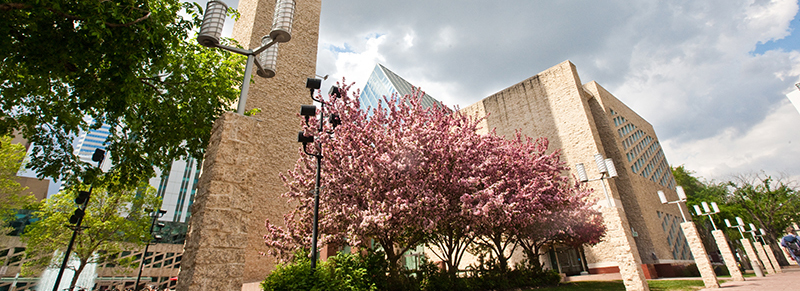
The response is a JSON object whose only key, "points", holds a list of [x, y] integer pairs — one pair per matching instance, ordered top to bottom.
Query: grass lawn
{"points": [[655, 285]]}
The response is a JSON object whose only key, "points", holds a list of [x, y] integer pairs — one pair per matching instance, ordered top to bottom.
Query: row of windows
{"points": [[619, 120], [626, 129], [641, 149], [675, 239]]}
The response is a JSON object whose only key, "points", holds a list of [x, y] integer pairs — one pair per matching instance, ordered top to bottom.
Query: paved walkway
{"points": [[788, 280]]}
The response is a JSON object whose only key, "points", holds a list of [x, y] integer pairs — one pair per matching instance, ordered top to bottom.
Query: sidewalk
{"points": [[788, 280]]}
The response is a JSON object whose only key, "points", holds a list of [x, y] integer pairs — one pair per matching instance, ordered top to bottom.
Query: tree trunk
{"points": [[78, 272]]}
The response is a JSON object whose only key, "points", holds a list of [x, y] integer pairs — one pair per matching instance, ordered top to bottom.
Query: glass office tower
{"points": [[383, 82]]}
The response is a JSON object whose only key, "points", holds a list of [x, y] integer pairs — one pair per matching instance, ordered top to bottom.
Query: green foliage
{"points": [[127, 63], [252, 112], [12, 196], [769, 203], [116, 219], [369, 271], [345, 272]]}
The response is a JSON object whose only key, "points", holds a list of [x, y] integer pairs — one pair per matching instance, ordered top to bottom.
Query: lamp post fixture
{"points": [[211, 31], [333, 119], [606, 169], [681, 199], [707, 212], [156, 215], [77, 218], [739, 225]]}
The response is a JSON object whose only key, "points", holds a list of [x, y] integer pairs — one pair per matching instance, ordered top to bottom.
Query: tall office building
{"points": [[383, 82], [89, 141], [175, 187]]}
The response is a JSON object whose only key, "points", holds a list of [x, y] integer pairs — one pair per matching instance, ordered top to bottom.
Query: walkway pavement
{"points": [[788, 280]]}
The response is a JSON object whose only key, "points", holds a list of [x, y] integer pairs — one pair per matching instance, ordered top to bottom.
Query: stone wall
{"points": [[554, 105], [241, 186]]}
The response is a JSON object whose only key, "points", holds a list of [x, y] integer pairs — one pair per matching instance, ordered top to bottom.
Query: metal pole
{"points": [[248, 71], [610, 203], [681, 210], [712, 222], [315, 227], [72, 241], [141, 264]]}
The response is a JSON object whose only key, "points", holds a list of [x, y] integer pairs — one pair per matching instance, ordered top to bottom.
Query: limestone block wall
{"points": [[554, 105], [241, 187], [637, 193], [751, 253]]}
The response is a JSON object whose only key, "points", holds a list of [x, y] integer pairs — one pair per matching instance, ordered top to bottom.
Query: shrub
{"points": [[345, 272]]}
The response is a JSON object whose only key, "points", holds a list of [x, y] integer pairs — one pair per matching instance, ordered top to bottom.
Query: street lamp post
{"points": [[211, 31], [333, 119], [606, 169], [681, 199], [707, 211], [156, 215], [77, 218], [719, 238], [693, 239], [748, 247]]}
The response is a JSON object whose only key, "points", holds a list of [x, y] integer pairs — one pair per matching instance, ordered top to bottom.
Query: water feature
{"points": [[85, 280]]}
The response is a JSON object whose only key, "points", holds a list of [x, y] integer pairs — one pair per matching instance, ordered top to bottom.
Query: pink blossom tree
{"points": [[402, 175], [525, 188]]}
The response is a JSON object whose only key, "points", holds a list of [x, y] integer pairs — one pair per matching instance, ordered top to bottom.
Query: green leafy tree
{"points": [[130, 64], [12, 194], [770, 203], [115, 220]]}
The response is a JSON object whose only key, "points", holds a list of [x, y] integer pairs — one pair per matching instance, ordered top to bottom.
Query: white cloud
{"points": [[686, 66], [772, 145]]}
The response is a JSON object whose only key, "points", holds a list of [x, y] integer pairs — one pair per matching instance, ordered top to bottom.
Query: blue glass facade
{"points": [[383, 82]]}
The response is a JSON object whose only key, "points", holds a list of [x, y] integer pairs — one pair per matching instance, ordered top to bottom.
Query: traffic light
{"points": [[83, 196], [76, 216]]}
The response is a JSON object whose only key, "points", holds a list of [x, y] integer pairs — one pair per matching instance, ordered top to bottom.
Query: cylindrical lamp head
{"points": [[213, 21], [282, 21], [268, 59], [601, 163], [612, 171], [581, 172], [681, 194], [662, 197], [739, 221], [727, 222], [752, 227], [762, 231]]}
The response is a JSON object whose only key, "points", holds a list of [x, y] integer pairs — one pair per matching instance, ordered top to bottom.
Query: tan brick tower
{"points": [[240, 187]]}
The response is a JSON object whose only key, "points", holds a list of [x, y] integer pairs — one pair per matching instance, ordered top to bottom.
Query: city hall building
{"points": [[582, 120]]}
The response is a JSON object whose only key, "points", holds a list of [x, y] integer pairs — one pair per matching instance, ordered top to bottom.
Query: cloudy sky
{"points": [[711, 76]]}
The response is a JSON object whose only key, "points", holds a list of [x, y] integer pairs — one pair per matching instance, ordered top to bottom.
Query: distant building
{"points": [[383, 82], [582, 120], [175, 187]]}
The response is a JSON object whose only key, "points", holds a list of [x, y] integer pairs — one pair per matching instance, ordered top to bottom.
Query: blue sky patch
{"points": [[788, 43], [343, 49]]}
